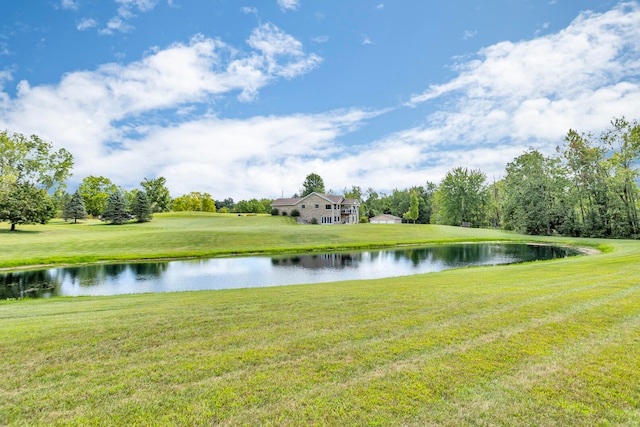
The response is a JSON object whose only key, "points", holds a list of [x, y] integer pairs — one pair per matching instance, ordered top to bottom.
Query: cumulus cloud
{"points": [[288, 4], [86, 23], [532, 92], [508, 97], [105, 117]]}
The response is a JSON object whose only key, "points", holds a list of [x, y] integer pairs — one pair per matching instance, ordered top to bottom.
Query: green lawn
{"points": [[191, 234], [544, 343]]}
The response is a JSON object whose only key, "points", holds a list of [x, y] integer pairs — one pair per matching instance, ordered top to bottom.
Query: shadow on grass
{"points": [[18, 231]]}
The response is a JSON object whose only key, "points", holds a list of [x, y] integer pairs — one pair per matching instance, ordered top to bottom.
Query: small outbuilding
{"points": [[385, 219]]}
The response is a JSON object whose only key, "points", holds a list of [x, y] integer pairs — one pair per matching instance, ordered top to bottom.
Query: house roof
{"points": [[295, 200], [386, 217]]}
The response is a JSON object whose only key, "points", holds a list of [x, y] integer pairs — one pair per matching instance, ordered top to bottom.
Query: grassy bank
{"points": [[201, 235], [545, 343]]}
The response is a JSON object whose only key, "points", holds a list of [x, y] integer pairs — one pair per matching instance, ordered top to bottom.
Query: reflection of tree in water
{"points": [[526, 253], [319, 261], [148, 269], [87, 275], [27, 284]]}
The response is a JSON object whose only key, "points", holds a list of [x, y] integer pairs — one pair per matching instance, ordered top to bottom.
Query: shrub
{"points": [[274, 212], [295, 212], [284, 213], [314, 220]]}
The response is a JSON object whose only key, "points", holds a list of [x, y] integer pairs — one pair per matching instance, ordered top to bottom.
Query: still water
{"points": [[260, 271]]}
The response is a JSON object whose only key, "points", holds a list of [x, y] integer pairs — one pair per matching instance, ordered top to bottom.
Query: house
{"points": [[320, 208], [385, 219]]}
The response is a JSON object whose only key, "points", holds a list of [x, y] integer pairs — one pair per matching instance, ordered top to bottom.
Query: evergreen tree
{"points": [[141, 207], [74, 209], [115, 209]]}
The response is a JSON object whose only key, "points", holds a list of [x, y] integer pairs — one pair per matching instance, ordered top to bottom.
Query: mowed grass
{"points": [[201, 235], [544, 343]]}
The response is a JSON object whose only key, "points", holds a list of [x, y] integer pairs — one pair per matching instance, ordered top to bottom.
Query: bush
{"points": [[274, 212], [295, 212], [284, 213], [314, 220]]}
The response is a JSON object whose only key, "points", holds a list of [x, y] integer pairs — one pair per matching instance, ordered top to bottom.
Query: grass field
{"points": [[202, 235], [544, 343]]}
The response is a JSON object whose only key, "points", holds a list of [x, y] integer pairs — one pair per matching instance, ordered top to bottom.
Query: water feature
{"points": [[260, 271]]}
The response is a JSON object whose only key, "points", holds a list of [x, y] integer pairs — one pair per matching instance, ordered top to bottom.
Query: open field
{"points": [[191, 234], [544, 343]]}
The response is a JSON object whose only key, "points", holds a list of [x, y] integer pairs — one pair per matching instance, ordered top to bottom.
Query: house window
{"points": [[303, 206], [317, 206], [327, 206], [326, 220]]}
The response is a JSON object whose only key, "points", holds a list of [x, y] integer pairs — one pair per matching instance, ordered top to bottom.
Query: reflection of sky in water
{"points": [[247, 272]]}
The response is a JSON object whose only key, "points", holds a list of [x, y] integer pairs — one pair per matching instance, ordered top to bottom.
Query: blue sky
{"points": [[244, 99]]}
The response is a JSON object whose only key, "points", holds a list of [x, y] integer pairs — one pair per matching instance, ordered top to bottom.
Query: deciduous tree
{"points": [[29, 168], [312, 183], [95, 190], [158, 194], [463, 197], [195, 202], [24, 203], [412, 213]]}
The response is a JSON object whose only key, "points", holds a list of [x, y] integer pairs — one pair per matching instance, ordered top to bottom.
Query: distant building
{"points": [[320, 208], [385, 219]]}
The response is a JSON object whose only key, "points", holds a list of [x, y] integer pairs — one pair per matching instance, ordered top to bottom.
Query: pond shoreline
{"points": [[585, 250]]}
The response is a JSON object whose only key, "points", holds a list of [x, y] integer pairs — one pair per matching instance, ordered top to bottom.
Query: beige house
{"points": [[320, 208], [385, 219]]}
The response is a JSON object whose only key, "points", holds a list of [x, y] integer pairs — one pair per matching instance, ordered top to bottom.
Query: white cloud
{"points": [[69, 4], [288, 4], [380, 6], [249, 10], [126, 11], [86, 24], [469, 34], [320, 39], [366, 40], [532, 92], [512, 95], [105, 117]]}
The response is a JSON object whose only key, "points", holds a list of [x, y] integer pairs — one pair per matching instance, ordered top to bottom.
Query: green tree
{"points": [[624, 139], [29, 168], [590, 177], [312, 183], [95, 190], [158, 194], [535, 194], [463, 197], [194, 202], [24, 203], [227, 203], [250, 206], [141, 207], [74, 209], [115, 209], [412, 213]]}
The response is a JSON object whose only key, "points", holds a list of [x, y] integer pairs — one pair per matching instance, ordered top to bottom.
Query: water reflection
{"points": [[225, 273]]}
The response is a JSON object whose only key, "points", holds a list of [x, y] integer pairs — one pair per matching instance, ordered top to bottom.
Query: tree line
{"points": [[588, 188]]}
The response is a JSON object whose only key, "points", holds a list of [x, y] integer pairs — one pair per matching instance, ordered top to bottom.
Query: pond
{"points": [[261, 271]]}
